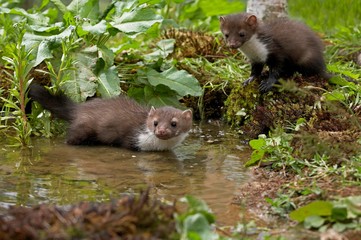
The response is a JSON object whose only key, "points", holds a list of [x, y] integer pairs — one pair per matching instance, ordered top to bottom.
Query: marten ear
{"points": [[222, 19], [251, 20], [151, 111], [187, 114]]}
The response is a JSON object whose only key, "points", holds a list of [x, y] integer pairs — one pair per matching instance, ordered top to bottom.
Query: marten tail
{"points": [[59, 105]]}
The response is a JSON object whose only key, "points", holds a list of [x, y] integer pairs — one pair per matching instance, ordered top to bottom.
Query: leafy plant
{"points": [[73, 41], [19, 63], [275, 149], [282, 204], [339, 215], [196, 222]]}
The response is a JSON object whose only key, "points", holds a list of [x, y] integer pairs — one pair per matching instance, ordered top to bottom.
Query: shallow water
{"points": [[209, 165]]}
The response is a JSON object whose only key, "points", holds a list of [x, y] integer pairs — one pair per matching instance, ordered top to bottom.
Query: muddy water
{"points": [[208, 165]]}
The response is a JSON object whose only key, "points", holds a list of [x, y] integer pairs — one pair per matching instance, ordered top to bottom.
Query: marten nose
{"points": [[233, 45], [162, 131]]}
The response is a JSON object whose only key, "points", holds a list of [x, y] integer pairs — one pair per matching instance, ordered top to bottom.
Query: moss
{"points": [[241, 102]]}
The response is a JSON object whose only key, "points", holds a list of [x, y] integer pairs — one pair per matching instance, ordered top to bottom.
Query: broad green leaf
{"points": [[60, 5], [125, 6], [85, 8], [33, 18], [137, 21], [98, 28], [45, 29], [43, 45], [164, 48], [44, 52], [107, 55], [178, 80], [83, 82], [108, 83], [136, 93], [160, 96], [257, 143], [256, 156], [352, 204], [196, 205], [316, 208], [339, 213], [314, 222], [196, 226], [340, 227]]}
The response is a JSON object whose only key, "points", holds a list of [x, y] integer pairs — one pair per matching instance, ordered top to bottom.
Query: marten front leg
{"points": [[256, 70], [266, 85]]}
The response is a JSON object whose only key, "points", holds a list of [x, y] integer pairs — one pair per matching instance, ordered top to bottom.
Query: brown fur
{"points": [[290, 46], [118, 121]]}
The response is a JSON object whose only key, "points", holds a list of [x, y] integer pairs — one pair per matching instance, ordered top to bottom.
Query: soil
{"points": [[265, 183], [127, 218]]}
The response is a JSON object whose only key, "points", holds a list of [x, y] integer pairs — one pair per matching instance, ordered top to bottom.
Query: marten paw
{"points": [[248, 81], [265, 86]]}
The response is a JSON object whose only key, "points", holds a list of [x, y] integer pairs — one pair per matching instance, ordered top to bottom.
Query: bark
{"points": [[267, 9]]}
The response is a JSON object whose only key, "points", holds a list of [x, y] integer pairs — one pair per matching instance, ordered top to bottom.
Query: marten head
{"points": [[238, 28], [168, 122]]}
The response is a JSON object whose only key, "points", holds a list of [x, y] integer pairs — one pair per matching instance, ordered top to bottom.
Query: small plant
{"points": [[19, 63], [276, 150], [340, 215], [196, 222]]}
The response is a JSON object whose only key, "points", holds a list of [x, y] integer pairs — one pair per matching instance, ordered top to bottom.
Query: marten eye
{"points": [[241, 34], [226, 35], [155, 123], [173, 124]]}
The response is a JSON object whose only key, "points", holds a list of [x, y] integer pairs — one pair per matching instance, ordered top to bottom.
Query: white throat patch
{"points": [[255, 50], [147, 141]]}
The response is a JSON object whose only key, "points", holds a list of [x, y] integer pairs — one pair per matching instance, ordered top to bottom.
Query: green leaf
{"points": [[60, 5], [85, 8], [33, 18], [136, 21], [98, 28], [44, 45], [164, 48], [44, 52], [107, 55], [83, 81], [180, 81], [108, 83], [160, 96], [257, 143], [256, 156], [196, 205], [353, 205], [316, 208], [339, 213], [314, 222], [197, 227], [340, 227]]}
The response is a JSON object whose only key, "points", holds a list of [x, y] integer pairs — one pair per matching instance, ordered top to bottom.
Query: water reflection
{"points": [[208, 165]]}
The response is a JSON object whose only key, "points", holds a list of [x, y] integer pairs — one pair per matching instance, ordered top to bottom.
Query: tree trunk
{"points": [[267, 9]]}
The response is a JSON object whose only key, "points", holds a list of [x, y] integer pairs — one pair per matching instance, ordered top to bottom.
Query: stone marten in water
{"points": [[284, 45], [117, 121]]}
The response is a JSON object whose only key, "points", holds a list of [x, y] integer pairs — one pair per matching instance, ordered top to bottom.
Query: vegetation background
{"points": [[171, 53]]}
